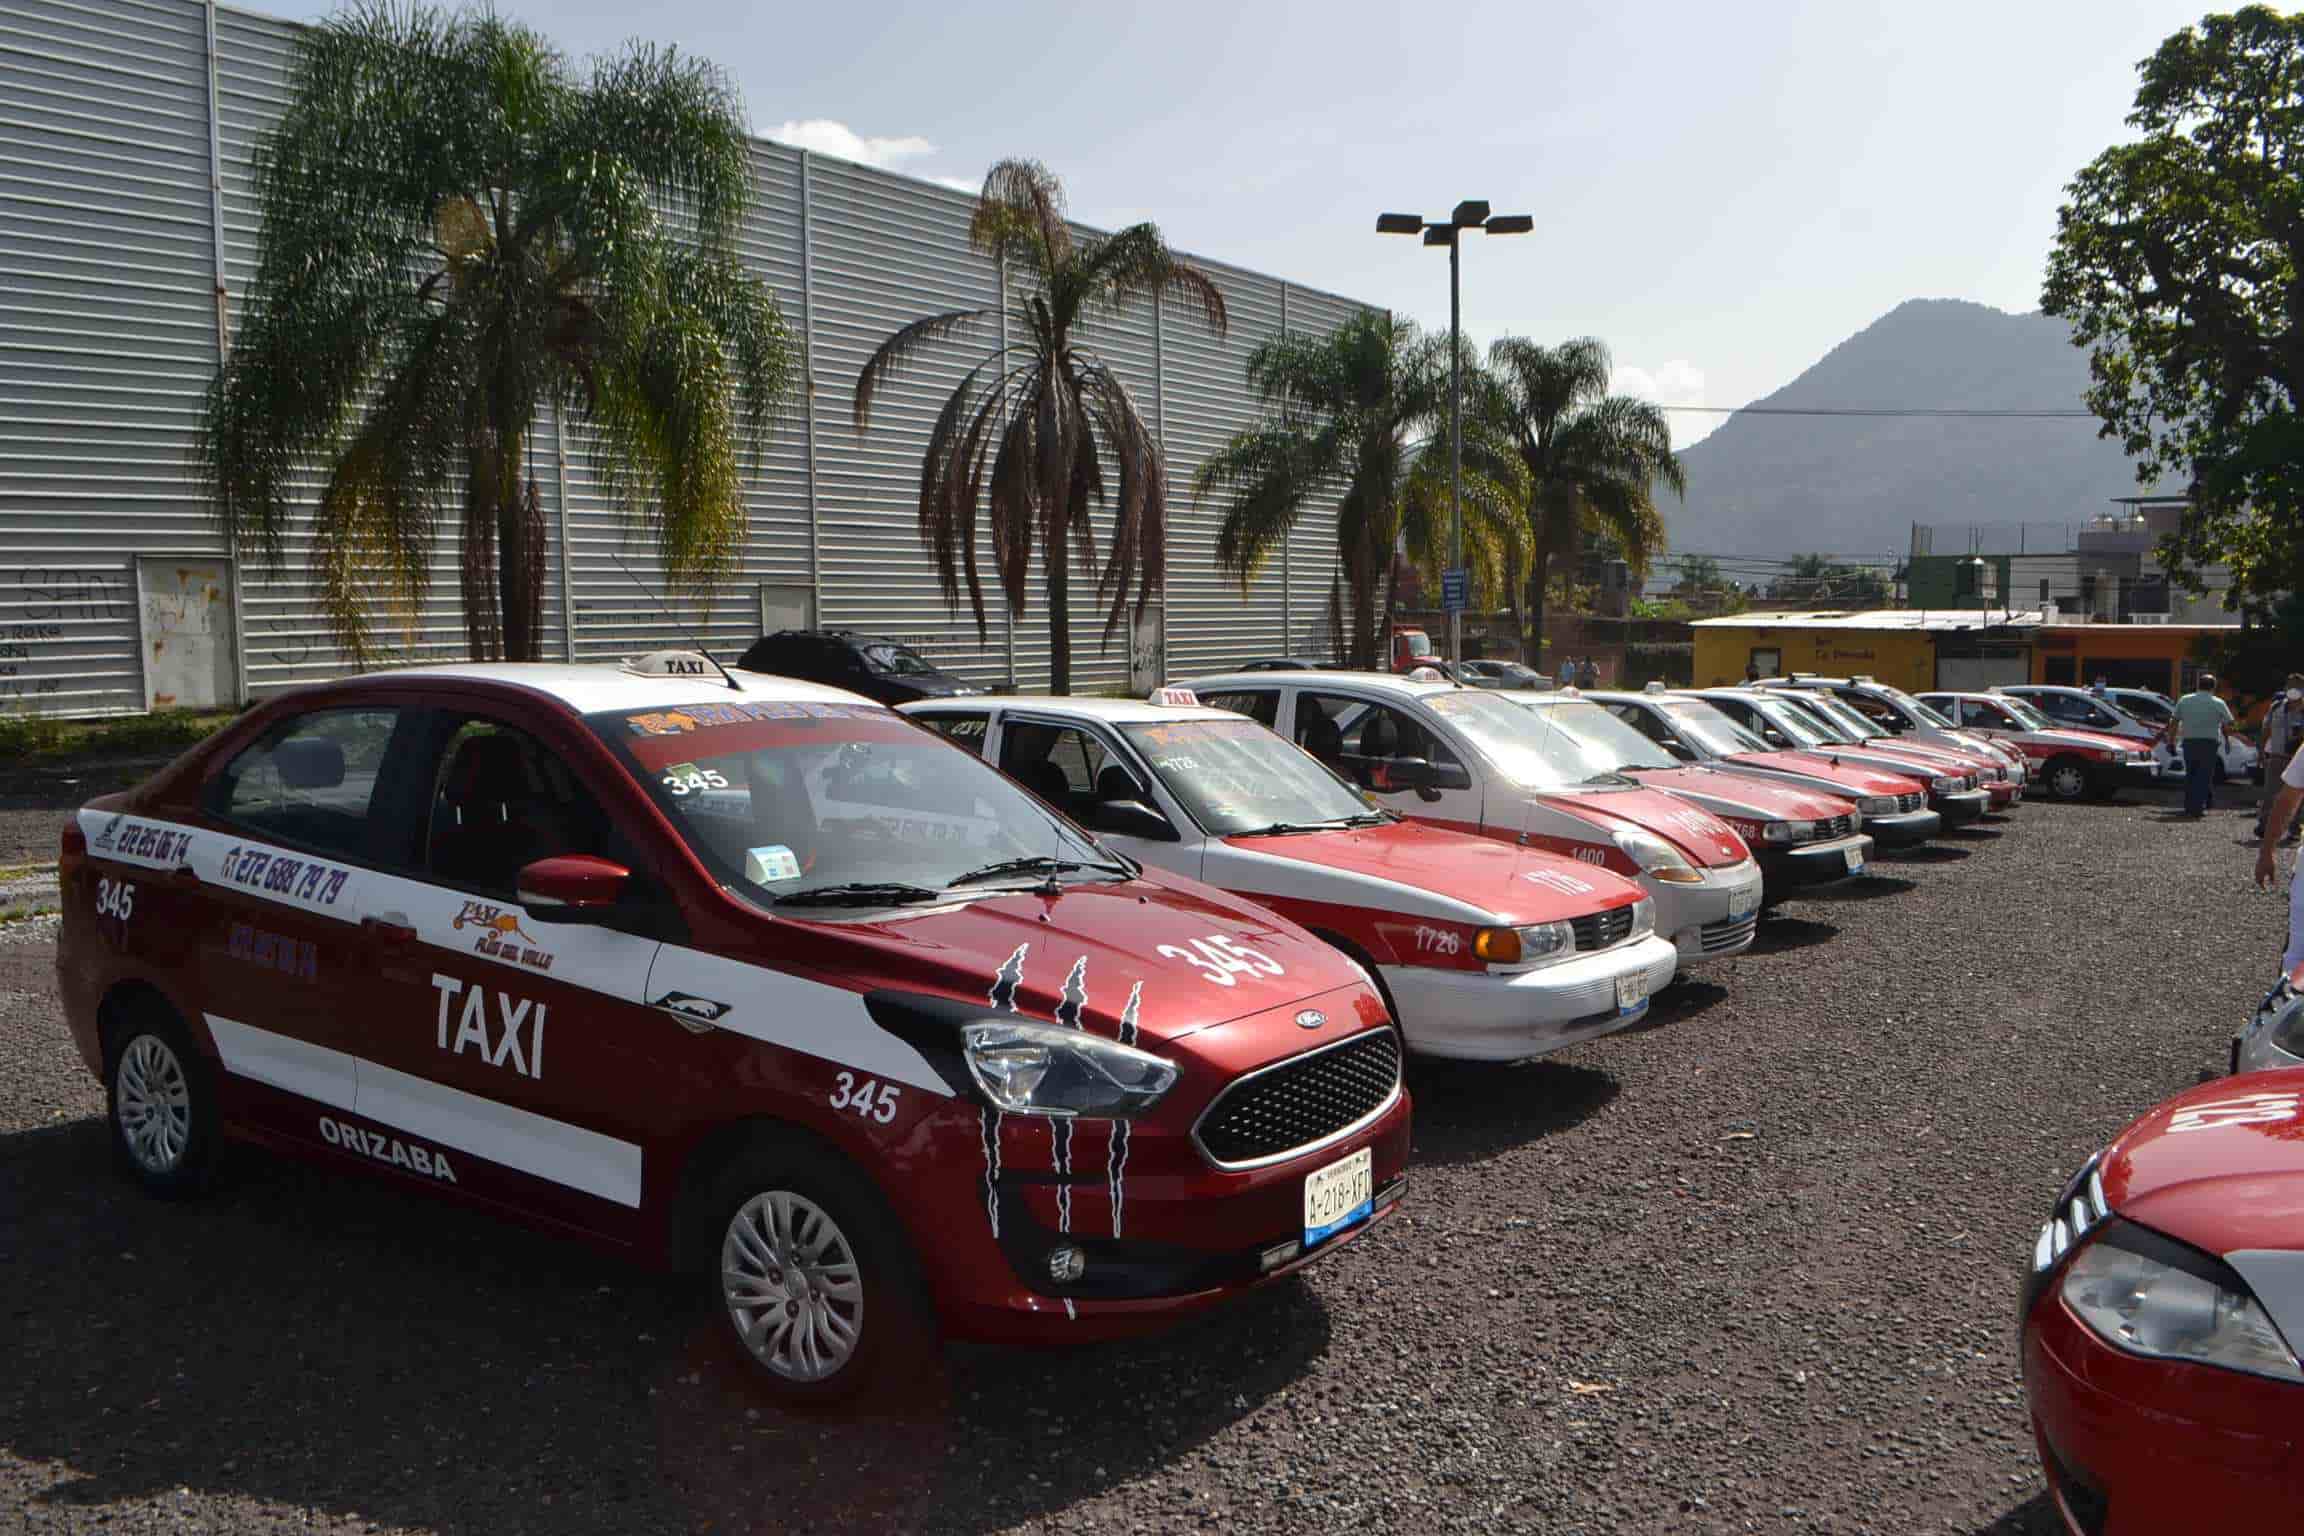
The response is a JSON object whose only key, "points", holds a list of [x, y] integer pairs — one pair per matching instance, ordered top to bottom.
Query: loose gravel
{"points": [[1753, 1269]]}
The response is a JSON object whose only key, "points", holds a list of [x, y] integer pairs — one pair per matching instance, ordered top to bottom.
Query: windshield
{"points": [[1418, 642], [896, 660], [1911, 706], [2144, 707], [2026, 714], [1846, 719], [1801, 725], [1709, 728], [1607, 741], [1525, 747], [1236, 776], [794, 802]]}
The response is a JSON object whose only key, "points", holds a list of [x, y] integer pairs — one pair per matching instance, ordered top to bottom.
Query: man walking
{"points": [[2200, 727], [2283, 730]]}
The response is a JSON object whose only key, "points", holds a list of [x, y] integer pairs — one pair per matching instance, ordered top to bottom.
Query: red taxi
{"points": [[2069, 762], [1486, 951], [734, 974], [2161, 1316]]}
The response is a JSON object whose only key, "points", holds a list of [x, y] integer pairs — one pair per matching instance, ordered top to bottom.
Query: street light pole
{"points": [[1470, 214]]}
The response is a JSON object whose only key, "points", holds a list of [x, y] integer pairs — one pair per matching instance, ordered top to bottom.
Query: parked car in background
{"points": [[1411, 648], [1284, 664], [881, 669], [1499, 674], [2079, 709], [2153, 709], [1799, 720], [1477, 761], [2069, 764], [1895, 805], [1800, 837], [1484, 951], [740, 976], [2274, 1033], [2159, 1318]]}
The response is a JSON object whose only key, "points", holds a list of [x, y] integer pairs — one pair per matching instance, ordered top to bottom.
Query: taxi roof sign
{"points": [[672, 664], [1427, 675], [1655, 685], [1175, 698]]}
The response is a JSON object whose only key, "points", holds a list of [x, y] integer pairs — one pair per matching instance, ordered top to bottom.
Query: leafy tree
{"points": [[455, 228], [2179, 260], [1032, 423], [1587, 461], [1698, 573]]}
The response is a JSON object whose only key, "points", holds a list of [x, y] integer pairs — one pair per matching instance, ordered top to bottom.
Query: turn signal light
{"points": [[1497, 946]]}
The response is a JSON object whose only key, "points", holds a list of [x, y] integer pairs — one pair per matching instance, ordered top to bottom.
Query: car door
{"points": [[1359, 737], [1095, 769], [314, 812], [521, 1056]]}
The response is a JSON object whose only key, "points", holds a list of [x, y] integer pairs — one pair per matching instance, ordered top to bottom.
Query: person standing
{"points": [[1567, 671], [1751, 672], [1588, 675], [2199, 727], [2283, 731], [2279, 820]]}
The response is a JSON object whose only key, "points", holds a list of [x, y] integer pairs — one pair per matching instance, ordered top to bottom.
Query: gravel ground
{"points": [[1751, 1269]]}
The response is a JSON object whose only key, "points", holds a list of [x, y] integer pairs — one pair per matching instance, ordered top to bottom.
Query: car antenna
{"points": [[694, 644]]}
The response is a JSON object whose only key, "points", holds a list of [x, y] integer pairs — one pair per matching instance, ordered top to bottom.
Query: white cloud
{"points": [[827, 137], [959, 184], [1678, 382]]}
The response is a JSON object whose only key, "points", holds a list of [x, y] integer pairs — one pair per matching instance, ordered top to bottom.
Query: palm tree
{"points": [[455, 230], [1341, 411], [1032, 423], [1591, 460]]}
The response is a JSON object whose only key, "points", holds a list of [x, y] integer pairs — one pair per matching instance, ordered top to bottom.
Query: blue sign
{"points": [[1456, 590]]}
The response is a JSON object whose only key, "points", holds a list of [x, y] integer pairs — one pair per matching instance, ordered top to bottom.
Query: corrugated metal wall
{"points": [[109, 259]]}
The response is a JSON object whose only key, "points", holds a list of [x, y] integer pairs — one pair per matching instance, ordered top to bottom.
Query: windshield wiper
{"points": [[1286, 828], [1035, 864], [861, 893]]}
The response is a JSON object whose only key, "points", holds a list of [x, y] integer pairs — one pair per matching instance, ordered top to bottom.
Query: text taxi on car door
{"points": [[1472, 760], [1801, 837], [1485, 951], [730, 972], [2161, 1316]]}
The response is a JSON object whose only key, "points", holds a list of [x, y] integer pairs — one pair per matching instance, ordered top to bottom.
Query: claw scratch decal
{"points": [[1010, 978], [1075, 995], [1001, 997], [1068, 1013], [1129, 1014], [1116, 1144]]}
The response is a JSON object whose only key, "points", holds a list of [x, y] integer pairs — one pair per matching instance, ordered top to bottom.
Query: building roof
{"points": [[1879, 618]]}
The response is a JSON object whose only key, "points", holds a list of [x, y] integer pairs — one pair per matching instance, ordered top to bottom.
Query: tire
{"points": [[2067, 778], [160, 1099], [816, 1284]]}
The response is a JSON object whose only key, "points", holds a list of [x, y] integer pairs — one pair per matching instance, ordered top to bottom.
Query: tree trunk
{"points": [[1058, 554], [517, 556], [1363, 594], [1532, 630], [482, 632], [1381, 659]]}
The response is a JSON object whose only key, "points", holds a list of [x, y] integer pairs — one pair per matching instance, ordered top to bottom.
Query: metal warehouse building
{"points": [[127, 238]]}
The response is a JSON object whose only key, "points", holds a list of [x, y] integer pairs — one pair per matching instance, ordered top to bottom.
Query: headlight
{"points": [[1877, 805], [1788, 832], [1658, 857], [1643, 918], [1524, 947], [1045, 1069], [2143, 1292]]}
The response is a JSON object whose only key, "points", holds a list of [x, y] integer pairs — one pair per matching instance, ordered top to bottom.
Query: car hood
{"points": [[929, 685], [2095, 741], [1942, 758], [1923, 769], [1857, 779], [1736, 794], [1706, 840], [1511, 885], [1149, 954], [2220, 1166]]}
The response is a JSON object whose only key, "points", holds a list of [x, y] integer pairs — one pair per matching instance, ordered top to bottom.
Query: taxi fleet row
{"points": [[759, 980]]}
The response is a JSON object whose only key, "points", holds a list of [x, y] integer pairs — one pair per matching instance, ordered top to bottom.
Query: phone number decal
{"points": [[282, 874]]}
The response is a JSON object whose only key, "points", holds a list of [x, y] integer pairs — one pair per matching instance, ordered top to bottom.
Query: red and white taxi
{"points": [[1804, 719], [1473, 760], [2069, 763], [1486, 951], [732, 973], [2161, 1317]]}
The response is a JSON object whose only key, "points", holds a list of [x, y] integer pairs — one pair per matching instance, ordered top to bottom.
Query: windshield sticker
{"points": [[696, 717], [1183, 731], [766, 866]]}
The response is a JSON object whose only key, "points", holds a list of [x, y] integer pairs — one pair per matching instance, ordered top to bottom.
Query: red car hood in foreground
{"points": [[1818, 765], [1759, 798], [1708, 842], [1517, 885], [2220, 1166]]}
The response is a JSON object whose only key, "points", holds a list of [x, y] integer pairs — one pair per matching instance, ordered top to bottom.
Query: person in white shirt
{"points": [[2276, 822]]}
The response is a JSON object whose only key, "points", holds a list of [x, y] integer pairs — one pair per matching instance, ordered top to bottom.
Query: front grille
{"points": [[1909, 802], [1837, 826], [1601, 929], [1727, 933], [1285, 1109]]}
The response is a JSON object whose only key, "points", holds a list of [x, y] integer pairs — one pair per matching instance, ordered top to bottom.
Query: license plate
{"points": [[1855, 861], [1745, 902], [1631, 991], [1337, 1196]]}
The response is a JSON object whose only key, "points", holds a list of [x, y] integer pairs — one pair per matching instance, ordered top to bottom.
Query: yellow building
{"points": [[1911, 648]]}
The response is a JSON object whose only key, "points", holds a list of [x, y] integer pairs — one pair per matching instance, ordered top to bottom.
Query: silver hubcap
{"points": [[2068, 782], [155, 1105], [791, 1284]]}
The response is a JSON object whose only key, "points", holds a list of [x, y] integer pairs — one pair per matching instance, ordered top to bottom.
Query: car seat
{"points": [[1319, 736], [1380, 737], [491, 820]]}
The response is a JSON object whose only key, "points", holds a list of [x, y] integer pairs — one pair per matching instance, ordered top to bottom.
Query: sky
{"points": [[1722, 193]]}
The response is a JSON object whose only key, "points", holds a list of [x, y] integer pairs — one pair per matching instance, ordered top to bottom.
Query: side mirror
{"points": [[1131, 818], [572, 888]]}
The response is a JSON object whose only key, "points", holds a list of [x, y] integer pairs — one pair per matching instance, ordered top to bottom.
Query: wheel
{"points": [[2067, 778], [161, 1099], [819, 1286]]}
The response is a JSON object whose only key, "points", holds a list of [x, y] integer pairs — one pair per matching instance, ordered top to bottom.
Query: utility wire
{"points": [[1787, 410]]}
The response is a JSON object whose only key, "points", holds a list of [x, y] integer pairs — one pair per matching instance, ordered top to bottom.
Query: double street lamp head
{"points": [[1472, 213]]}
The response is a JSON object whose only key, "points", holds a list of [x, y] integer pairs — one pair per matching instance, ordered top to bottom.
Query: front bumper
{"points": [[2004, 794], [1963, 808], [1904, 828], [1813, 864], [1712, 920], [1473, 1016], [2253, 1049], [2132, 1446]]}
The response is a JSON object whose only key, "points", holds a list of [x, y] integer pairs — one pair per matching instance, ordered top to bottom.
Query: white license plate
{"points": [[1855, 861], [1745, 902], [1631, 991], [1338, 1195]]}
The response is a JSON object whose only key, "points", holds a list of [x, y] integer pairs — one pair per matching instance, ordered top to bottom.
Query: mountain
{"points": [[1854, 485]]}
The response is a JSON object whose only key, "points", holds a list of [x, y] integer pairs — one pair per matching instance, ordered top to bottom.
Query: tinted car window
{"points": [[1261, 705], [961, 730], [1058, 763], [311, 780], [501, 801]]}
